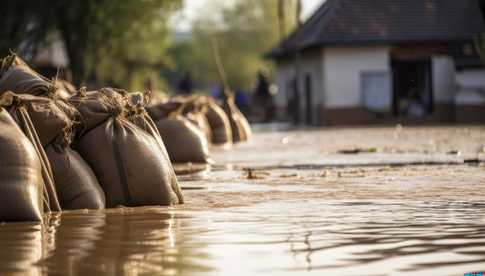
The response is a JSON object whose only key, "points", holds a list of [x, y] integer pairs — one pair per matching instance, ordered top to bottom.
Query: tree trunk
{"points": [[298, 13], [281, 19], [73, 27]]}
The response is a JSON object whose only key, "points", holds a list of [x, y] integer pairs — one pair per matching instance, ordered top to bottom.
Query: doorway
{"points": [[412, 88], [308, 99]]}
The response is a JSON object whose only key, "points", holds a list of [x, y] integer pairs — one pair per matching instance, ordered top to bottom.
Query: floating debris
{"points": [[358, 150], [255, 174]]}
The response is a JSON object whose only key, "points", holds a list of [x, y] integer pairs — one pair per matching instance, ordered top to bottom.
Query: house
{"points": [[383, 61]]}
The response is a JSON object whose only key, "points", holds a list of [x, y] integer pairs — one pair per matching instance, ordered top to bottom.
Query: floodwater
{"points": [[358, 220]]}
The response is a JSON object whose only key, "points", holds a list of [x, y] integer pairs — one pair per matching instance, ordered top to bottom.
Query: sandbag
{"points": [[17, 76], [64, 89], [95, 107], [163, 110], [19, 113], [138, 115], [49, 120], [200, 120], [219, 124], [241, 130], [183, 140], [129, 162], [21, 180], [76, 184]]}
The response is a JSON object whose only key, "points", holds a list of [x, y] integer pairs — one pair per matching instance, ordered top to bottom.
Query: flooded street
{"points": [[383, 201]]}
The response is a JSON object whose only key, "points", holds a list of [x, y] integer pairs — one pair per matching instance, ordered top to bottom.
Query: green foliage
{"points": [[244, 31], [107, 42], [116, 42]]}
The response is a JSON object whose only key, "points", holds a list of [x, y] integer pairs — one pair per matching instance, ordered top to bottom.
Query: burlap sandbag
{"points": [[17, 76], [64, 89], [192, 108], [163, 110], [19, 113], [139, 116], [199, 119], [49, 120], [219, 123], [240, 128], [184, 141], [129, 162], [21, 182], [76, 185]]}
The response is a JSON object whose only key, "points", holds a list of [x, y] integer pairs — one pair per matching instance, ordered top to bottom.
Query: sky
{"points": [[182, 21]]}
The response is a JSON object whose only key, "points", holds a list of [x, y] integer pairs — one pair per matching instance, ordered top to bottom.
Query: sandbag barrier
{"points": [[78, 149], [119, 151]]}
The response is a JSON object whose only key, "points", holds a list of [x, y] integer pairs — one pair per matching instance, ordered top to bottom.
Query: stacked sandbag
{"points": [[18, 77], [64, 89], [163, 110], [194, 110], [20, 114], [198, 118], [219, 123], [241, 130], [185, 141], [130, 162], [21, 179], [75, 182]]}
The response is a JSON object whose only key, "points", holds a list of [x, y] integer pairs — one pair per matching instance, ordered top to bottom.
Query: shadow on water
{"points": [[286, 237]]}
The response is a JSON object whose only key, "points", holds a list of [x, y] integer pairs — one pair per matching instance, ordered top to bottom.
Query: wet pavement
{"points": [[379, 201]]}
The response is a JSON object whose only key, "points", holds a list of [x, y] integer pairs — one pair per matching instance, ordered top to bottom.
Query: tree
{"points": [[23, 26], [244, 30], [106, 41], [113, 41]]}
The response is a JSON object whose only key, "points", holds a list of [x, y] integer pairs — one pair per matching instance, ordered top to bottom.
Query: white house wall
{"points": [[342, 68], [284, 73], [444, 83], [471, 87]]}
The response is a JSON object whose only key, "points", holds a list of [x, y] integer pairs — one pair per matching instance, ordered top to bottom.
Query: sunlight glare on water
{"points": [[287, 237]]}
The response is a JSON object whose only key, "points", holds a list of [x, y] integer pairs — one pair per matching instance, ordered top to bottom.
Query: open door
{"points": [[412, 88], [308, 99]]}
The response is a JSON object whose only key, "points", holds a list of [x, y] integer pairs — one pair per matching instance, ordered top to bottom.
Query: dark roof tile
{"points": [[385, 21]]}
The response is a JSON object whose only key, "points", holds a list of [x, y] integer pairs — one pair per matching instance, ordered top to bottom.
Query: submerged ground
{"points": [[366, 201]]}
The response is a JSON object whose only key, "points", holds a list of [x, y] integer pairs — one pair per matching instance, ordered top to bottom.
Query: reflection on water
{"points": [[286, 237]]}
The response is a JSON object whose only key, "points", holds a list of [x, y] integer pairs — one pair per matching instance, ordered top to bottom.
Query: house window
{"points": [[376, 92]]}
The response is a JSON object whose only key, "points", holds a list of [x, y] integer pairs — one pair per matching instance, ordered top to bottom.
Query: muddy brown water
{"points": [[317, 220]]}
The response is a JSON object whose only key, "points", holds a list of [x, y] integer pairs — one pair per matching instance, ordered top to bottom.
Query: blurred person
{"points": [[263, 97], [412, 105]]}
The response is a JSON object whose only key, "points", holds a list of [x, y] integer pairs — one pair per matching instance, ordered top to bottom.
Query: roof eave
{"points": [[278, 53]]}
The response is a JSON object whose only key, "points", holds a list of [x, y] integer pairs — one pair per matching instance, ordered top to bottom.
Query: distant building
{"points": [[378, 61]]}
